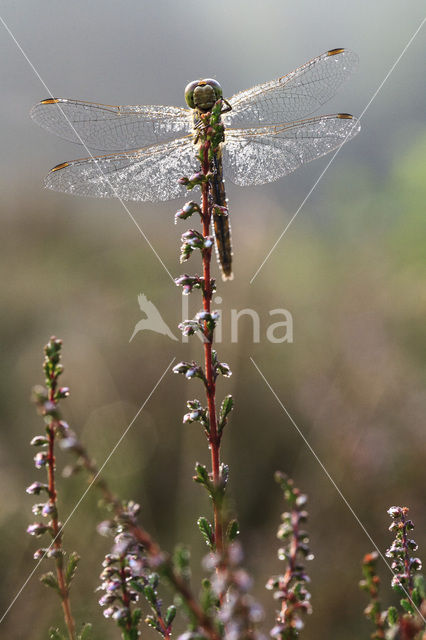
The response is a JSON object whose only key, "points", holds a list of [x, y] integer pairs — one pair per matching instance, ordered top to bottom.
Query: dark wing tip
{"points": [[334, 52], [52, 101], [345, 116], [62, 165]]}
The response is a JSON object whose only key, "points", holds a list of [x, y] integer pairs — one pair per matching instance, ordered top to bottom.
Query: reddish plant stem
{"points": [[214, 437], [56, 532], [153, 550], [408, 575], [126, 595], [286, 614], [165, 629]]}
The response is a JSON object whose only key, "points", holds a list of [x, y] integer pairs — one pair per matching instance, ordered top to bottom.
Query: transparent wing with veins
{"points": [[295, 95], [111, 128], [264, 136], [265, 154], [148, 174]]}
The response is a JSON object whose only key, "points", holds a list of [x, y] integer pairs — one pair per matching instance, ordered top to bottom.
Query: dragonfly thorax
{"points": [[202, 94]]}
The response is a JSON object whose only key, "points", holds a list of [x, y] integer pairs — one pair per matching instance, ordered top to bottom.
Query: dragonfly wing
{"points": [[295, 95], [111, 128], [265, 154], [149, 174]]}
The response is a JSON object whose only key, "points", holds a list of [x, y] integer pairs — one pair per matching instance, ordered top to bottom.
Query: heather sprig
{"points": [[210, 135], [47, 401], [123, 515], [124, 520], [144, 552], [404, 564], [127, 574], [371, 584], [290, 587], [228, 590], [407, 622]]}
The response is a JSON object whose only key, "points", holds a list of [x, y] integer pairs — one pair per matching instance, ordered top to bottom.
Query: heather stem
{"points": [[214, 437], [56, 531], [292, 561], [407, 567], [126, 595]]}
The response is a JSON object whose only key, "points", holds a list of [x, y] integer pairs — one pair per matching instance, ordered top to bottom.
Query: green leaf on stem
{"points": [[225, 409], [224, 474], [202, 477], [233, 530], [206, 531], [181, 561], [71, 567], [49, 580], [419, 585], [150, 595], [416, 597], [208, 599], [406, 605], [170, 615], [392, 616], [136, 617], [86, 632], [55, 634]]}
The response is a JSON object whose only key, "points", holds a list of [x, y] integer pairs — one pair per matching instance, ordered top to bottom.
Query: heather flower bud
{"points": [[197, 178], [188, 209], [220, 211], [181, 367], [224, 369], [62, 392], [39, 394], [50, 409], [62, 429], [39, 441], [70, 444], [40, 459], [36, 488], [36, 508], [48, 509], [106, 528], [37, 529], [109, 559], [113, 585], [107, 599], [121, 614]]}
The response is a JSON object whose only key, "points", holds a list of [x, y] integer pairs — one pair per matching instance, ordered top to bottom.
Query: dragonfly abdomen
{"points": [[222, 227]]}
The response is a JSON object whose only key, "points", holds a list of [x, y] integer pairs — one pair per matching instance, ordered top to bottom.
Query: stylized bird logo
{"points": [[153, 321]]}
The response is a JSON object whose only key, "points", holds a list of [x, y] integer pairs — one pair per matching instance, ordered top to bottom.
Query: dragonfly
{"points": [[269, 132]]}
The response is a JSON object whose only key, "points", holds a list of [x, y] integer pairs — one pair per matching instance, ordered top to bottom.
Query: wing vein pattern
{"points": [[295, 95], [111, 128], [265, 154], [149, 174]]}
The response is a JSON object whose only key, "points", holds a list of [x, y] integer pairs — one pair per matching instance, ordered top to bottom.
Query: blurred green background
{"points": [[351, 270]]}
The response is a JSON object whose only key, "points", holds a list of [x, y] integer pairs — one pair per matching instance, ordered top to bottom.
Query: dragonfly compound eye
{"points": [[189, 93], [202, 94]]}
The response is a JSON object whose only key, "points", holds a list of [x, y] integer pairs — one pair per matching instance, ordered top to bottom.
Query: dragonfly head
{"points": [[202, 94]]}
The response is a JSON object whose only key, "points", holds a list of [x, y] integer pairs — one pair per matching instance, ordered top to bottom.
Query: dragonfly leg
{"points": [[227, 108]]}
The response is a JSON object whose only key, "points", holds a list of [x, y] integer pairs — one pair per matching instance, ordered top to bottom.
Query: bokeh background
{"points": [[351, 270]]}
